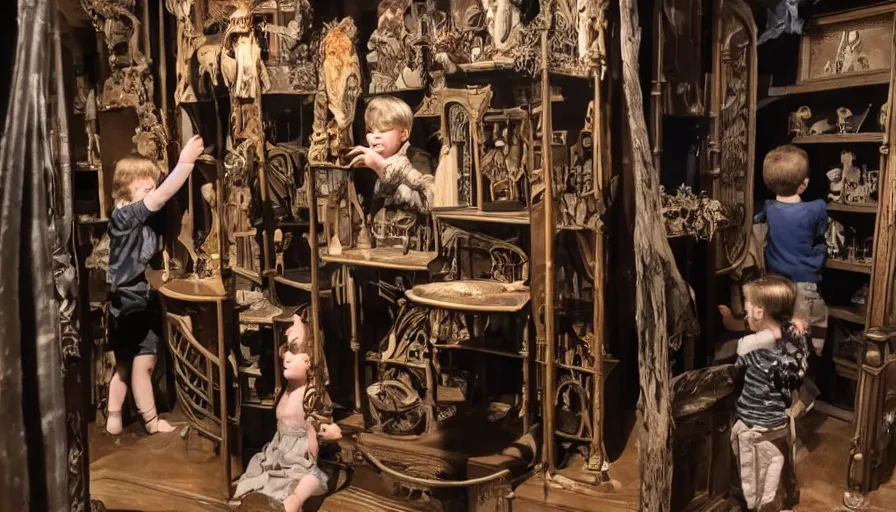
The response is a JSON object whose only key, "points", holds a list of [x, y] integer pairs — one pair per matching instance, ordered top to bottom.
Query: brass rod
{"points": [[546, 159]]}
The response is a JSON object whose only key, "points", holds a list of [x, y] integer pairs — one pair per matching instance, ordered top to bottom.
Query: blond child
{"points": [[389, 121], [796, 246], [135, 317], [775, 360]]}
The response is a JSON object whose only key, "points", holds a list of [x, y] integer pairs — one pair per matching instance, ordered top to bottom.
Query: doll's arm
{"points": [[312, 444]]}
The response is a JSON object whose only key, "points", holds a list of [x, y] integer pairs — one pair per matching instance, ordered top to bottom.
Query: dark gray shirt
{"points": [[132, 244]]}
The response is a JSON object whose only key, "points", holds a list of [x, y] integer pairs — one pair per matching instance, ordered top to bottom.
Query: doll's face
{"points": [[296, 366]]}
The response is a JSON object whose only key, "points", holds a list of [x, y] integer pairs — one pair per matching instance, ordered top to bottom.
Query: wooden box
{"points": [[853, 45]]}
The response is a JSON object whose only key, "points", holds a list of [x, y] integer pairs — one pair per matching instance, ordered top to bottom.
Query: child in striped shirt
{"points": [[774, 358]]}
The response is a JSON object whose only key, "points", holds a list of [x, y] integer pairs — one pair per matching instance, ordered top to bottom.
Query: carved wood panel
{"points": [[732, 147]]}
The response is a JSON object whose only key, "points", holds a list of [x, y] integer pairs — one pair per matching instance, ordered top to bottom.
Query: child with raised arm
{"points": [[389, 121], [796, 247], [135, 322], [775, 359]]}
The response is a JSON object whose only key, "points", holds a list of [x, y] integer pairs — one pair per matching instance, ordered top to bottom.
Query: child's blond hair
{"points": [[386, 113], [129, 169], [784, 169], [775, 294]]}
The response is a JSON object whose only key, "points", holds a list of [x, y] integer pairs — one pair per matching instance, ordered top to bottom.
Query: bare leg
{"points": [[141, 384], [118, 390], [307, 485]]}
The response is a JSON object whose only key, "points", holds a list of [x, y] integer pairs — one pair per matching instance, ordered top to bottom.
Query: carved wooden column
{"points": [[865, 454]]}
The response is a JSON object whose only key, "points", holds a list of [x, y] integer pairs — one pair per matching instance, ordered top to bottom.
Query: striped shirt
{"points": [[773, 370]]}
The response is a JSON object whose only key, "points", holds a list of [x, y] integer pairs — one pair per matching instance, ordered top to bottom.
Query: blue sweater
{"points": [[796, 245]]}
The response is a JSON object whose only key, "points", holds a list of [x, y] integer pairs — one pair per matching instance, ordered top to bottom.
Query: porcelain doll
{"points": [[286, 468]]}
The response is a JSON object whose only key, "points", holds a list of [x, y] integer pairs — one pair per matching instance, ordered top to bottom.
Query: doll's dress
{"points": [[275, 471]]}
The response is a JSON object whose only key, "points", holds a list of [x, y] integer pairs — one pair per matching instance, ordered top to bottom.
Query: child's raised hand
{"points": [[192, 149], [366, 157]]}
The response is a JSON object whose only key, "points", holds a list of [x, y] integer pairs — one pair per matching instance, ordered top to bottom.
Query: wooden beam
{"points": [[664, 309]]}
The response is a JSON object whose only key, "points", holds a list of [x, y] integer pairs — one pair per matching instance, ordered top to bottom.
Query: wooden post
{"points": [[147, 37], [163, 70], [546, 159], [351, 293], [663, 303], [318, 351], [597, 458]]}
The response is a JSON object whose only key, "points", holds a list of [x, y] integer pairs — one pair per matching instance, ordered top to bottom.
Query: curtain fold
{"points": [[34, 472]]}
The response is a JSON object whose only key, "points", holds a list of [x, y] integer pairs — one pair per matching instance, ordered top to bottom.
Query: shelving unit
{"points": [[825, 83], [840, 138]]}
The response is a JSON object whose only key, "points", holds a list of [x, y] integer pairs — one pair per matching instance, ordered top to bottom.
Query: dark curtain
{"points": [[34, 467]]}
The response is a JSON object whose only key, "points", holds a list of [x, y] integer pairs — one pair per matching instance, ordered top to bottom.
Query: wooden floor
{"points": [[160, 473], [165, 473]]}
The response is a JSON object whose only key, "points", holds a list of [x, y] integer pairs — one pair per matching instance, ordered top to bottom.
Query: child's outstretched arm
{"points": [[156, 199], [732, 324]]}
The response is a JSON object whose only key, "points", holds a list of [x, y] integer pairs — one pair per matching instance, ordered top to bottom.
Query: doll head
{"points": [[295, 353]]}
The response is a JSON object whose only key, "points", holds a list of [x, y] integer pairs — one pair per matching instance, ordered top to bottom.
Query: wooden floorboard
{"points": [[165, 473]]}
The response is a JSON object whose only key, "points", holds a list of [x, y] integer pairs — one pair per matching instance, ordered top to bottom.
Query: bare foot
{"points": [[113, 423], [159, 426]]}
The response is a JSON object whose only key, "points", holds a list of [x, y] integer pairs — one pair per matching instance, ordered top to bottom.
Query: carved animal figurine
{"points": [[503, 20], [209, 56], [338, 91], [843, 116], [883, 117], [798, 120], [847, 122], [821, 127], [852, 175], [835, 185], [835, 239], [211, 257], [286, 468]]}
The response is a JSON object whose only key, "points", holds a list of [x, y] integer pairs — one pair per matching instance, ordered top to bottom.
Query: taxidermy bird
{"points": [[798, 120], [847, 122], [822, 126]]}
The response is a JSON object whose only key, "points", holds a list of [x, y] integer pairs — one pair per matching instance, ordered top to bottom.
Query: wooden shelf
{"points": [[833, 84], [840, 138], [853, 208], [476, 215], [382, 257], [848, 267], [301, 280], [195, 290], [470, 295], [848, 313], [483, 350], [609, 364], [835, 412]]}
